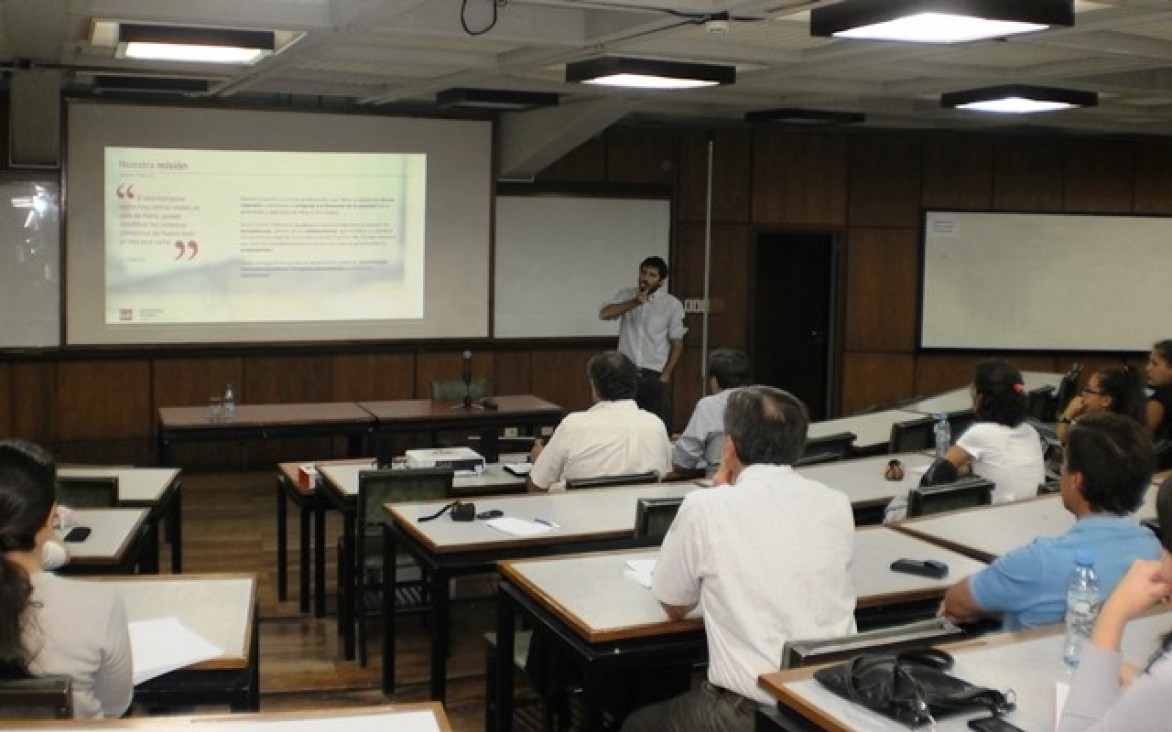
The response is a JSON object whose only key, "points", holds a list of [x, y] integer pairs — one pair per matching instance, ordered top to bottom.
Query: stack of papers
{"points": [[519, 527], [641, 571], [165, 644]]}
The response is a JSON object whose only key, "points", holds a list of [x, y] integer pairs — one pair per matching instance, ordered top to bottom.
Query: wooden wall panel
{"points": [[642, 155], [584, 164], [958, 172], [731, 175], [1028, 175], [884, 177], [1099, 177], [799, 178], [1153, 178], [881, 291], [728, 320], [448, 365], [513, 372], [937, 373], [373, 377], [560, 377], [285, 379], [875, 380], [191, 382], [34, 385], [687, 388], [103, 400], [6, 401]]}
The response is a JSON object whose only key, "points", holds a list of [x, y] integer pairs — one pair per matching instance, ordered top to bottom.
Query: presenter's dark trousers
{"points": [[654, 396]]}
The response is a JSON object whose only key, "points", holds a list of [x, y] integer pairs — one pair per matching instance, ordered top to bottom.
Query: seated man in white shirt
{"points": [[613, 437], [703, 439], [767, 554]]}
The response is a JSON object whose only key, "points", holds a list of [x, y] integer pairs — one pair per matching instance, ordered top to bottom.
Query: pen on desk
{"points": [[547, 522]]}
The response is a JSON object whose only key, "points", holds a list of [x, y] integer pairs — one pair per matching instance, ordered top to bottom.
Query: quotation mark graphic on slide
{"points": [[126, 191], [190, 248]]}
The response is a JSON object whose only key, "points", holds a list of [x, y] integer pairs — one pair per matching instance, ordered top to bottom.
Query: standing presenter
{"points": [[651, 334]]}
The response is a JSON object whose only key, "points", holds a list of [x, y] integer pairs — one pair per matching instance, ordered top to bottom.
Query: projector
{"points": [[452, 458]]}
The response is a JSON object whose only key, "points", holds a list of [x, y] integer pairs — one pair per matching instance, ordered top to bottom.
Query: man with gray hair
{"points": [[767, 553]]}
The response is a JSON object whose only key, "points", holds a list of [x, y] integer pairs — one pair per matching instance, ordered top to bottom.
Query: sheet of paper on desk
{"points": [[519, 468], [518, 527], [641, 570], [165, 644], [1061, 690], [423, 721]]}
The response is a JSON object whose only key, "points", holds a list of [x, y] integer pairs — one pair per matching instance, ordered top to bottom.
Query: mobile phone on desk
{"points": [[77, 534], [922, 567], [993, 724]]}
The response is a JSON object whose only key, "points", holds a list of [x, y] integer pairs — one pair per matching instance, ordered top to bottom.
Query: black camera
{"points": [[463, 511]]}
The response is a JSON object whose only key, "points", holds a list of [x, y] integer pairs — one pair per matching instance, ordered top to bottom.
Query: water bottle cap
{"points": [[1084, 558]]}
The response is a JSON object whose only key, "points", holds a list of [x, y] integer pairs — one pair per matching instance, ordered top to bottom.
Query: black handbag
{"points": [[912, 687]]}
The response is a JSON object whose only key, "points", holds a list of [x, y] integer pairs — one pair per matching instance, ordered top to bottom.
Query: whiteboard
{"points": [[560, 257], [30, 262], [1045, 281]]}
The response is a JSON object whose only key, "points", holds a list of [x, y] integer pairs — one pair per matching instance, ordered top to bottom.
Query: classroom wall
{"points": [[865, 186]]}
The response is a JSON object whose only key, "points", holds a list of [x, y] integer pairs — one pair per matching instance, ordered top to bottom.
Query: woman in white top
{"points": [[1001, 446], [50, 625]]}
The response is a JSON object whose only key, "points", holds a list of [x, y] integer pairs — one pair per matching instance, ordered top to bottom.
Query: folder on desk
{"points": [[163, 645]]}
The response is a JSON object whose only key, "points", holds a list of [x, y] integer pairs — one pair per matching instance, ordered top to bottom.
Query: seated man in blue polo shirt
{"points": [[1107, 468]]}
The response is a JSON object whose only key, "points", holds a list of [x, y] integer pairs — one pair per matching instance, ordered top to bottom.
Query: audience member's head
{"points": [[655, 263], [729, 367], [1159, 367], [613, 376], [1117, 389], [1000, 393], [766, 425], [1115, 457], [28, 484]]}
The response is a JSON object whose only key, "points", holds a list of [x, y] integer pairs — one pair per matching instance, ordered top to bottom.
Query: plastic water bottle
{"points": [[229, 403], [943, 435], [1082, 606]]}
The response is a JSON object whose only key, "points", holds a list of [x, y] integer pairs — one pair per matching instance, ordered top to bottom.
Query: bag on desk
{"points": [[912, 687]]}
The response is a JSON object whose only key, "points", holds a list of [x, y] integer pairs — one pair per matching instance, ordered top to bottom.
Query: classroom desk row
{"points": [[425, 717]]}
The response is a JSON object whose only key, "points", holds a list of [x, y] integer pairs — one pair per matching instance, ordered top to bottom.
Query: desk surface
{"points": [[406, 411], [259, 415], [872, 430], [342, 476], [861, 479], [135, 485], [595, 513], [113, 532], [593, 594], [217, 606], [1029, 663], [422, 717]]}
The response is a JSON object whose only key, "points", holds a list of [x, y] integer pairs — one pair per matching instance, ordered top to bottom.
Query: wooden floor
{"points": [[229, 525]]}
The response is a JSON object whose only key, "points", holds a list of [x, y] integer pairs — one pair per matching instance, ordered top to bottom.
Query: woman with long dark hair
{"points": [[1159, 373], [1117, 389], [50, 625]]}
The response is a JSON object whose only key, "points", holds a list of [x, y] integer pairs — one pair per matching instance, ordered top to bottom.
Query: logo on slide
{"points": [[126, 191], [125, 315]]}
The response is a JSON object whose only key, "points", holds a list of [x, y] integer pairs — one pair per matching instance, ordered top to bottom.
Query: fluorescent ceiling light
{"points": [[938, 21], [190, 44], [640, 73], [1019, 99]]}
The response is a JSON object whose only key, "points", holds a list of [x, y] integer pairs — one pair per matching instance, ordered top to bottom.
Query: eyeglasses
{"points": [[1088, 390]]}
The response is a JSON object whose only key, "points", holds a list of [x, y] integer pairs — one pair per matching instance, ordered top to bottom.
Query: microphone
{"points": [[467, 379]]}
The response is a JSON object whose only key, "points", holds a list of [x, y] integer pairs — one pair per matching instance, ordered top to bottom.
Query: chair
{"points": [[1067, 387], [1042, 406], [958, 422], [913, 435], [839, 444], [822, 457], [603, 481], [1050, 486], [375, 488], [91, 491], [966, 492], [653, 516], [798, 653], [41, 697]]}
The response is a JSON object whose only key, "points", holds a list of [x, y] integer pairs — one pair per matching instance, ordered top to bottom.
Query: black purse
{"points": [[912, 687]]}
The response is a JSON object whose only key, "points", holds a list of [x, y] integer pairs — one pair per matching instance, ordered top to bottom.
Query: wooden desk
{"points": [[425, 415], [264, 421], [872, 430], [863, 482], [158, 489], [589, 520], [118, 542], [221, 608], [605, 622], [1029, 662], [423, 717]]}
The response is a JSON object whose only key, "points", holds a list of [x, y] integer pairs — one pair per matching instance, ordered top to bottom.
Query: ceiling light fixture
{"points": [[938, 21], [191, 44], [643, 73], [150, 84], [495, 99], [1019, 99], [804, 117]]}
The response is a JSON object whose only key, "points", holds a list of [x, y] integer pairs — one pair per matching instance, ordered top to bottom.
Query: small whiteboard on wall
{"points": [[560, 257], [30, 262]]}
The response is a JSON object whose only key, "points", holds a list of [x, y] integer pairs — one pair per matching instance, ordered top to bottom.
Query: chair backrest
{"points": [[1067, 386], [449, 390], [1042, 405], [958, 422], [913, 435], [839, 444], [1163, 450], [822, 457], [602, 481], [1050, 486], [376, 487], [89, 491], [969, 491], [653, 516], [798, 653], [43, 697]]}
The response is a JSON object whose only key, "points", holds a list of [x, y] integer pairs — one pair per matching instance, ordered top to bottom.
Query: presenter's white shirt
{"points": [[646, 332], [610, 438], [1010, 457], [769, 560]]}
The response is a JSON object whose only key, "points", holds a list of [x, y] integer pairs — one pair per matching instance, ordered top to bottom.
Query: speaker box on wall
{"points": [[34, 118]]}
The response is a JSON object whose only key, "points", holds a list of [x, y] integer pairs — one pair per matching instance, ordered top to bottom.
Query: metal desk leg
{"points": [[175, 530], [282, 544], [303, 558], [319, 559], [389, 579], [440, 589], [346, 590], [505, 641]]}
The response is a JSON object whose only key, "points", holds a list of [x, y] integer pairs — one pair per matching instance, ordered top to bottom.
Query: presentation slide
{"points": [[345, 232]]}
